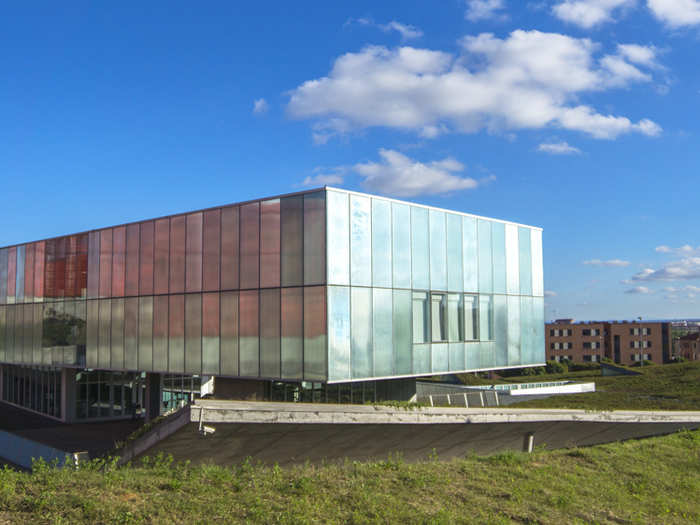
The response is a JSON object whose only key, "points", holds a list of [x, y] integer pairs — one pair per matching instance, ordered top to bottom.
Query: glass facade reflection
{"points": [[325, 286]]}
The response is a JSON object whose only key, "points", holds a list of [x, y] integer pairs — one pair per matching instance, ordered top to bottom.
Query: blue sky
{"points": [[579, 116]]}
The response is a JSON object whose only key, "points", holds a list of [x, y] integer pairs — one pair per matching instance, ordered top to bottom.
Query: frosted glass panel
{"points": [[338, 238], [498, 238], [360, 241], [381, 243], [401, 245], [536, 247], [420, 249], [438, 251], [485, 258], [512, 260], [525, 261], [455, 271], [500, 310], [486, 317], [292, 325], [514, 331], [361, 332], [382, 332], [270, 333], [338, 333], [249, 334], [402, 336], [440, 357], [457, 357], [421, 359]]}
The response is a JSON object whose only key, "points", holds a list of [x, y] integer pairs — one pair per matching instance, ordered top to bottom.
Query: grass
{"points": [[659, 387], [648, 481]]}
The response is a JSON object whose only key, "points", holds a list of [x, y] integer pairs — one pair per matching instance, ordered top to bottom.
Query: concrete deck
{"points": [[295, 433]]}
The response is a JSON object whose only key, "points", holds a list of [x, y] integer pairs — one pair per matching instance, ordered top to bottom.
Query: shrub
{"points": [[555, 367]]}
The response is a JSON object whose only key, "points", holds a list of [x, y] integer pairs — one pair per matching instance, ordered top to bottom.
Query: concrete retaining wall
{"points": [[160, 431], [21, 451]]}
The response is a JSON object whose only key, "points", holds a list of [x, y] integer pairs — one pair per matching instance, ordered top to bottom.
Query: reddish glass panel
{"points": [[315, 238], [270, 244], [250, 245], [229, 248], [212, 249], [177, 255], [162, 257], [146, 258], [39, 259], [118, 261], [105, 263], [82, 264], [193, 265], [60, 267], [50, 270], [29, 273], [11, 274], [93, 278], [131, 285], [72, 287], [292, 326], [176, 329], [249, 329], [160, 332], [210, 333], [229, 333], [315, 349]]}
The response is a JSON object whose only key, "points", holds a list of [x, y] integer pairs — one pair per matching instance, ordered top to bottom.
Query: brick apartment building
{"points": [[621, 341], [689, 346]]}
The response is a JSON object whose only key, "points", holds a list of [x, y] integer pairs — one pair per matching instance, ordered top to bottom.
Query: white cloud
{"points": [[483, 9], [589, 13], [676, 13], [406, 31], [642, 55], [433, 92], [260, 106], [557, 148], [396, 174], [324, 176], [322, 180], [685, 250], [611, 263], [685, 268], [639, 290], [549, 293]]}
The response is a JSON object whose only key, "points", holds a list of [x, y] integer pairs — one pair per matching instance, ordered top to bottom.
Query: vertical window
{"points": [[133, 232], [315, 238], [292, 240], [360, 241], [250, 247], [229, 249], [161, 254], [146, 258], [177, 258], [118, 260], [193, 264], [105, 265], [438, 310], [455, 317], [471, 317], [421, 327]]}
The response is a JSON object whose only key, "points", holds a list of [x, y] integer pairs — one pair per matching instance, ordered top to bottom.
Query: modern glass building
{"points": [[317, 288]]}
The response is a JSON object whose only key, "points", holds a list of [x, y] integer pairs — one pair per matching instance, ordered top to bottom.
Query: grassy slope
{"points": [[660, 387], [649, 481]]}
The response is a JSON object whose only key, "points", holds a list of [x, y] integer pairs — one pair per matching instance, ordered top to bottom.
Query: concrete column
{"points": [[153, 396]]}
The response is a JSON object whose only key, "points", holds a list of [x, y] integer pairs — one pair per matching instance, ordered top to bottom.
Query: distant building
{"points": [[623, 342], [689, 347]]}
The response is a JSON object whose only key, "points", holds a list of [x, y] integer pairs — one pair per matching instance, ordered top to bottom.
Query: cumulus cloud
{"points": [[484, 9], [589, 13], [676, 13], [406, 31], [527, 80], [260, 106], [557, 148], [397, 174], [663, 249], [685, 250], [611, 263], [682, 269], [639, 290]]}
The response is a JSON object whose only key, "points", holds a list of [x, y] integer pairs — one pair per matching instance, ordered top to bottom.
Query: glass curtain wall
{"points": [[234, 291], [417, 291]]}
